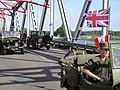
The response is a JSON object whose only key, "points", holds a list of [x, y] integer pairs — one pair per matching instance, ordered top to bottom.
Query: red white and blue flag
{"points": [[98, 18]]}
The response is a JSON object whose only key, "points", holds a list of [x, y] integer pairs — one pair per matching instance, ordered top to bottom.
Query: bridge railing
{"points": [[87, 47]]}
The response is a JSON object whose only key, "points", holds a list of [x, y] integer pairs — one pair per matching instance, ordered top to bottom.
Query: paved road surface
{"points": [[35, 70]]}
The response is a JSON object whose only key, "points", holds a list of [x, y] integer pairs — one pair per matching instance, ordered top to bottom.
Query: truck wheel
{"points": [[28, 46], [34, 46], [48, 47], [22, 51], [4, 52], [72, 88]]}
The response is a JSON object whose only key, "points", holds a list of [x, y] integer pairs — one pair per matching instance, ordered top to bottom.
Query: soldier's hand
{"points": [[103, 79]]}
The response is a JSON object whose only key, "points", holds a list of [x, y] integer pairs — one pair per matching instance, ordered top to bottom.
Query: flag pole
{"points": [[105, 6], [106, 29]]}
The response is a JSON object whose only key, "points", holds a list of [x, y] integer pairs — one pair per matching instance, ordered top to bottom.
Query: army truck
{"points": [[10, 41], [38, 41], [72, 77]]}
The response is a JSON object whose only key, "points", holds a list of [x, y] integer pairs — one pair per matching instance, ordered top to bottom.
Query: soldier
{"points": [[97, 68]]}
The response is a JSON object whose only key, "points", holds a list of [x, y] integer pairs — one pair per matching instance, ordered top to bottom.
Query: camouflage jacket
{"points": [[99, 67]]}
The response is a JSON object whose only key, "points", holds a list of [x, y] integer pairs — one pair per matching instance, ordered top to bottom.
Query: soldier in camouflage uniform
{"points": [[97, 68]]}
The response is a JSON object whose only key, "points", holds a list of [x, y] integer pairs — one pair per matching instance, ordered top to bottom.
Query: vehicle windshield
{"points": [[38, 32], [8, 34], [115, 49]]}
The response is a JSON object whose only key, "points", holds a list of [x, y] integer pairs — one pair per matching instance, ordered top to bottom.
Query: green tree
{"points": [[60, 31], [47, 33]]}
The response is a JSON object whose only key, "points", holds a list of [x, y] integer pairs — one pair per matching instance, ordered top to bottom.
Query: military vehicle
{"points": [[38, 41], [10, 42], [72, 77]]}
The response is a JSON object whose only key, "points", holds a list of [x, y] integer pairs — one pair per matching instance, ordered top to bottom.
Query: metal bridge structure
{"points": [[11, 9], [81, 20]]}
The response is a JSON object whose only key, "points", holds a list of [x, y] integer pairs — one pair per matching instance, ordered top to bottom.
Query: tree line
{"points": [[96, 33]]}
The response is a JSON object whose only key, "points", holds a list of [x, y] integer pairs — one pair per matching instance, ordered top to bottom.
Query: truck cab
{"points": [[11, 41], [38, 41]]}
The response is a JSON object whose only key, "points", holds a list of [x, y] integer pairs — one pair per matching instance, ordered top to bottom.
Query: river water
{"points": [[92, 42]]}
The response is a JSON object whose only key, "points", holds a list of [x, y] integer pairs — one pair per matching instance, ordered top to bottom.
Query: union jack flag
{"points": [[98, 18]]}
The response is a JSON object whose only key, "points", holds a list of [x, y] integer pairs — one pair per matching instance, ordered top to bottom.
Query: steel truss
{"points": [[16, 5], [10, 8]]}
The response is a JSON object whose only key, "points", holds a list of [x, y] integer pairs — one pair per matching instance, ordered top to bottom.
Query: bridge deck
{"points": [[35, 70]]}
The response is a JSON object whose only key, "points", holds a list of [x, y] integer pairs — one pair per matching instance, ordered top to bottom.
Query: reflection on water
{"points": [[92, 42]]}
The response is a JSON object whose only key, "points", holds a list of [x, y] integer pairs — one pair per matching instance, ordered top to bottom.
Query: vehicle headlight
{"points": [[7, 41], [19, 41], [16, 43], [48, 44]]}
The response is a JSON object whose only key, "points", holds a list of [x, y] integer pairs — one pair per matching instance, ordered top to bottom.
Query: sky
{"points": [[73, 9]]}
